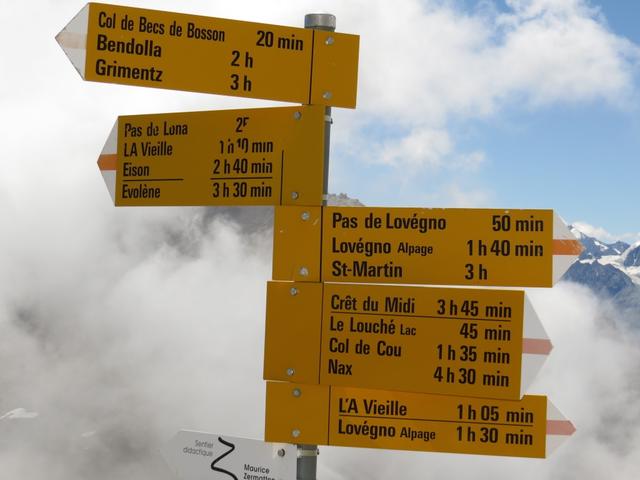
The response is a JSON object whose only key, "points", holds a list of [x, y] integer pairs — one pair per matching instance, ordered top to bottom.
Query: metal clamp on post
{"points": [[320, 21], [308, 451], [307, 462]]}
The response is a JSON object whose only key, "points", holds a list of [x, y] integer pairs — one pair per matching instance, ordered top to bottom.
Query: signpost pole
{"points": [[327, 22], [308, 454]]}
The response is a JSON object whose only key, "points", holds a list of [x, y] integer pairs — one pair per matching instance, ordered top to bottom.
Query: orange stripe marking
{"points": [[108, 161], [567, 247], [536, 346], [560, 427]]}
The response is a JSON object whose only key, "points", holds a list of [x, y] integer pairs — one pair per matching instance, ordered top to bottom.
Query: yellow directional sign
{"points": [[134, 46], [263, 156], [431, 246], [452, 341], [352, 417]]}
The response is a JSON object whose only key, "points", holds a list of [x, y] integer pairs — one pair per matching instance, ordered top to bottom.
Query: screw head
{"points": [[329, 41], [327, 95], [297, 115], [294, 195], [305, 216], [304, 271], [293, 291], [290, 372], [296, 392], [295, 433], [281, 452]]}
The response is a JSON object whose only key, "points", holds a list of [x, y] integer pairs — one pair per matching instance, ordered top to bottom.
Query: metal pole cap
{"points": [[320, 21]]}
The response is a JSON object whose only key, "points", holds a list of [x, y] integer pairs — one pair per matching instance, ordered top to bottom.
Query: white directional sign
{"points": [[207, 456]]}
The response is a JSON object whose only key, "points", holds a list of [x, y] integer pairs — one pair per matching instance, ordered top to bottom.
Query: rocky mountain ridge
{"points": [[611, 270]]}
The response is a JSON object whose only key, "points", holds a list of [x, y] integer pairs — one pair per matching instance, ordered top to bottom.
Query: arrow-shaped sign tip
{"points": [[73, 39], [108, 160], [566, 248], [536, 346], [559, 428]]}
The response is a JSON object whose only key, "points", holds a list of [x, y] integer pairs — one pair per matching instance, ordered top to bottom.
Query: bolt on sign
{"points": [[150, 48], [260, 156], [444, 246], [453, 341], [353, 417]]}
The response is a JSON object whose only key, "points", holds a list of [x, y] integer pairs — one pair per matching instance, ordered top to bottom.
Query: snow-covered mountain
{"points": [[595, 249], [620, 255], [631, 259], [611, 270]]}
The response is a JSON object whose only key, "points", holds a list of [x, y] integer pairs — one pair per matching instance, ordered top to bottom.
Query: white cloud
{"points": [[532, 8], [562, 51], [428, 64], [419, 148], [470, 161], [462, 197], [596, 232], [602, 234], [130, 323], [17, 413]]}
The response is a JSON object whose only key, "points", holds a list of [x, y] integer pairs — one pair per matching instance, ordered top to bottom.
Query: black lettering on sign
{"points": [[265, 38], [221, 470]]}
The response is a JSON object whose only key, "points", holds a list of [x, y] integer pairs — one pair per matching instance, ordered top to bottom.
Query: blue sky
{"points": [[622, 16]]}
